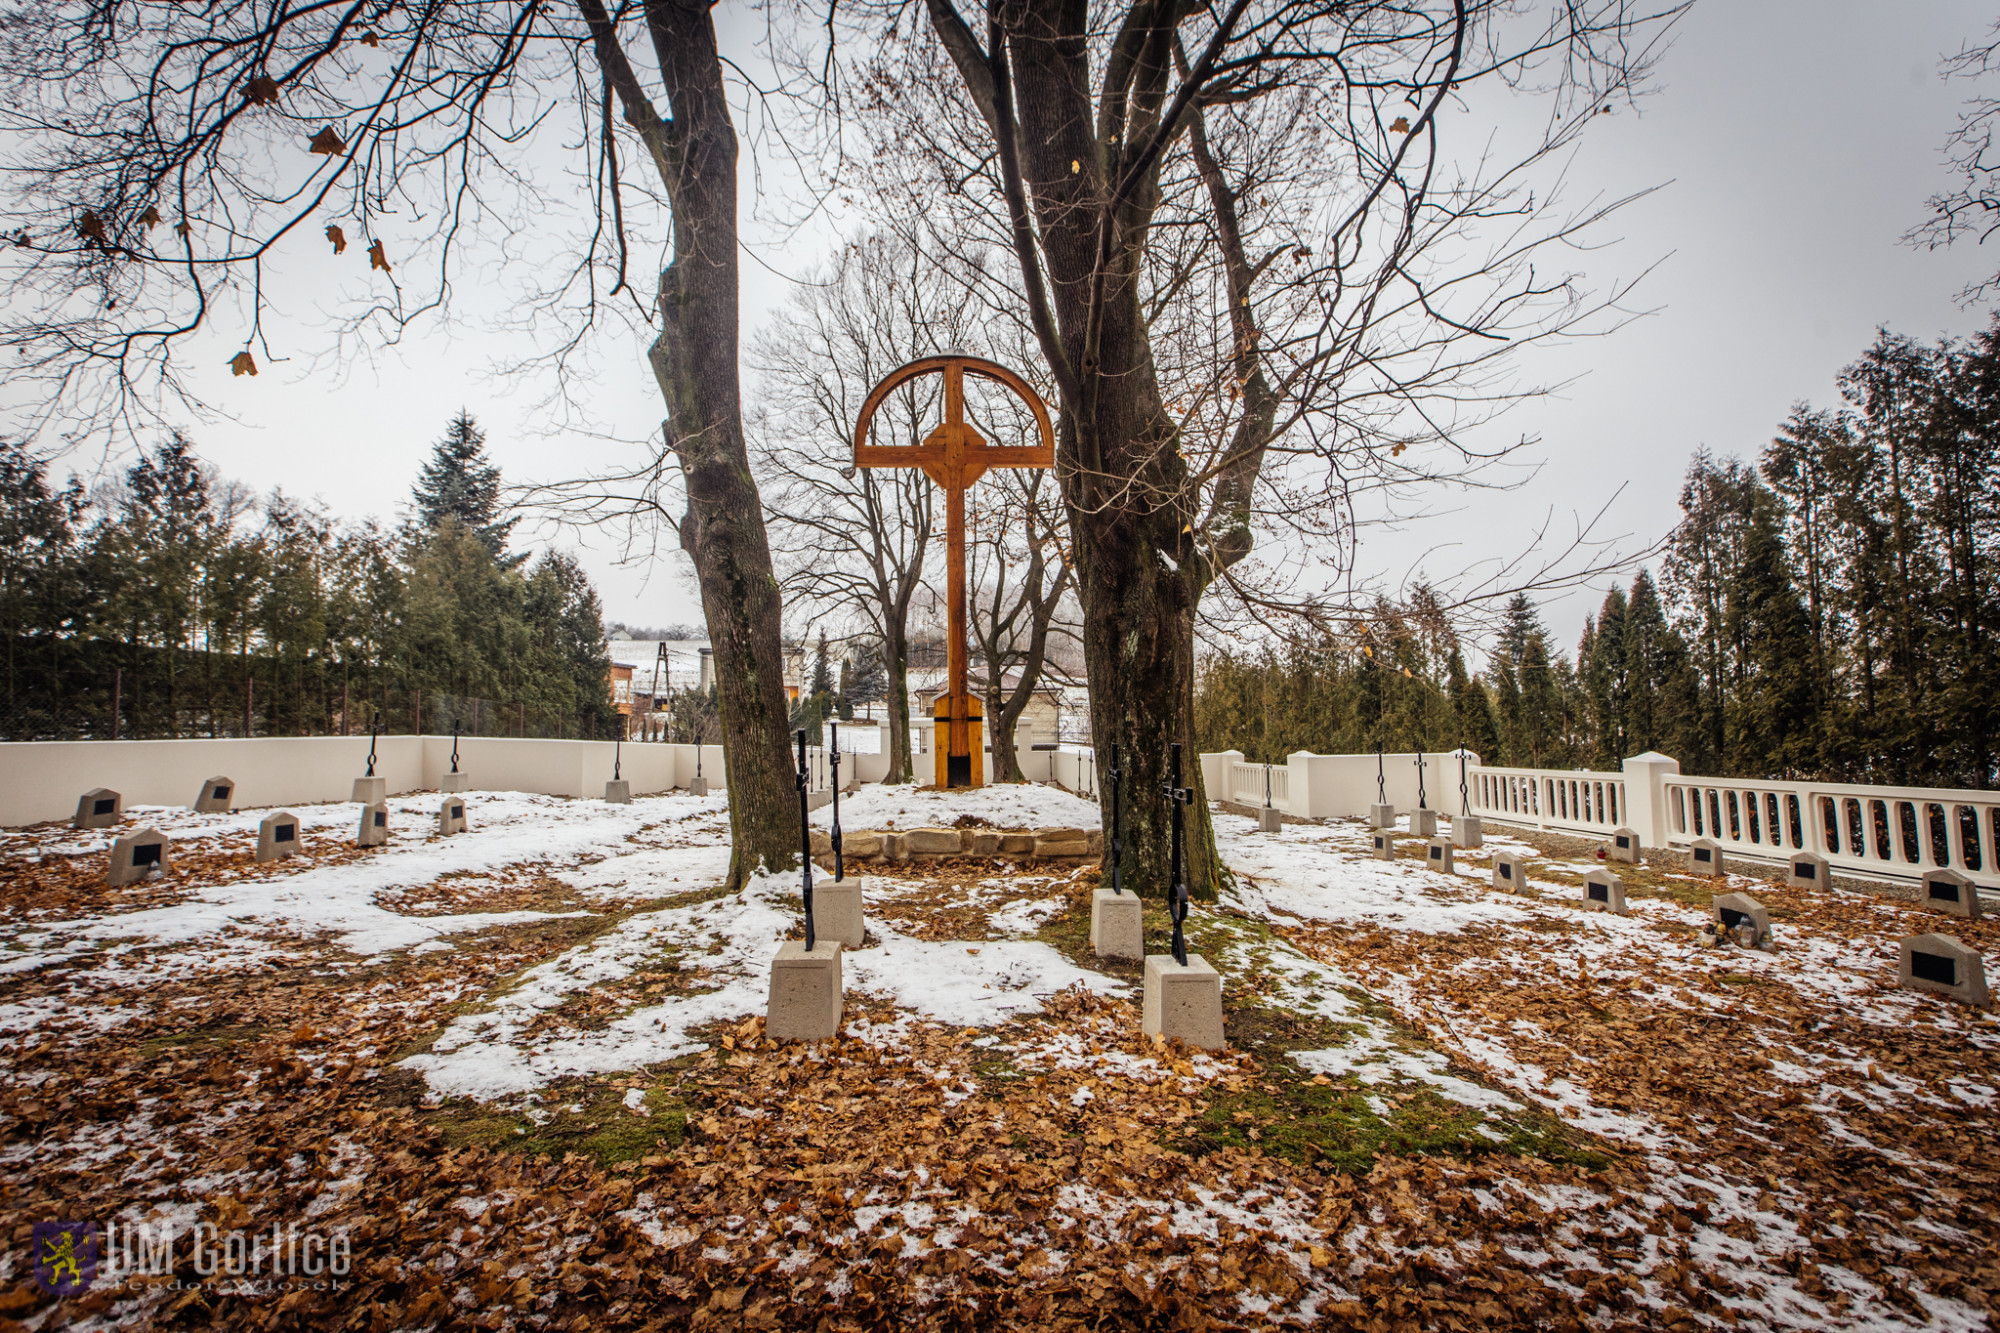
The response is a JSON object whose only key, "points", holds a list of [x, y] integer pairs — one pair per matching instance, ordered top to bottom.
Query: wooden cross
{"points": [[954, 456]]}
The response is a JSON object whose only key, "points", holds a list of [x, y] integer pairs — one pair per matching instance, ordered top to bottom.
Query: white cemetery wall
{"points": [[40, 779]]}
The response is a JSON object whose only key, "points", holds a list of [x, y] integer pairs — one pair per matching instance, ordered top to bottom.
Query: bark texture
{"points": [[695, 360]]}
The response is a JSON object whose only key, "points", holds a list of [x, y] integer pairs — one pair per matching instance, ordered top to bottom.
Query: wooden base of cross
{"points": [[966, 768]]}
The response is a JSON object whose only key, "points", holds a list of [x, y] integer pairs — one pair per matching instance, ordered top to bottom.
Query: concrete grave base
{"points": [[451, 782], [697, 786], [370, 791], [618, 791], [217, 796], [818, 800], [99, 808], [451, 815], [1382, 816], [1269, 819], [1424, 823], [374, 826], [1467, 832], [279, 835], [1382, 845], [1624, 846], [1437, 854], [136, 856], [1705, 858], [1806, 870], [1510, 871], [1604, 892], [1949, 892], [837, 913], [1116, 929], [1943, 966], [806, 998], [1183, 1002]]}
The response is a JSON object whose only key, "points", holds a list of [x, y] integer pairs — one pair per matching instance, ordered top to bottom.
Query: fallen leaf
{"points": [[1401, 125], [327, 142], [338, 237], [376, 259], [243, 364]]}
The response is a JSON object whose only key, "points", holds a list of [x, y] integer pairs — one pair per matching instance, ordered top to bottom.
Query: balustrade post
{"points": [[1646, 796]]}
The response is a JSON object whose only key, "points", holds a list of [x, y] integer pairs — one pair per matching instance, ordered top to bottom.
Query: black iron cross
{"points": [[374, 729], [454, 745], [1117, 777], [1381, 778], [1422, 803], [805, 845], [839, 867], [1177, 891]]}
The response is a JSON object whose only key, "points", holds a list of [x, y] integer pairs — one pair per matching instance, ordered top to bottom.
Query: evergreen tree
{"points": [[459, 483], [867, 679], [1473, 711]]}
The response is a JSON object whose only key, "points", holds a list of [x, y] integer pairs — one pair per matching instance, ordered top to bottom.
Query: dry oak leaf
{"points": [[368, 38], [263, 90], [1401, 125], [327, 142], [150, 218], [91, 226], [182, 229], [338, 237], [376, 259], [243, 364]]}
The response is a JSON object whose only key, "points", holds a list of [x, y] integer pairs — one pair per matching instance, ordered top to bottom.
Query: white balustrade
{"points": [[1247, 784], [1566, 800], [1872, 831]]}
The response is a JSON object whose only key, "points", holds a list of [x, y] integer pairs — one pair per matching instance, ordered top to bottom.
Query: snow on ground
{"points": [[1018, 806]]}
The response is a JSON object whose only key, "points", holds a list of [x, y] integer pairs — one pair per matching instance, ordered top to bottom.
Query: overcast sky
{"points": [[1796, 140]]}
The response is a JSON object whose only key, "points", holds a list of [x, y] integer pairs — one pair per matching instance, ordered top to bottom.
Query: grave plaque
{"points": [[217, 796], [100, 808], [451, 815], [1382, 816], [1424, 822], [374, 826], [1467, 832], [278, 835], [1383, 846], [1624, 846], [1437, 854], [137, 856], [1705, 858], [1806, 870], [1510, 871], [1604, 892], [1949, 892], [1733, 910], [1942, 965]]}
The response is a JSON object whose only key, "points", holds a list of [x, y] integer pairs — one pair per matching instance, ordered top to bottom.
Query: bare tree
{"points": [[168, 156], [1973, 208], [1261, 276], [1019, 577]]}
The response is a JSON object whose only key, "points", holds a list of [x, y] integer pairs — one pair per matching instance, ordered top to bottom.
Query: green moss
{"points": [[590, 1119]]}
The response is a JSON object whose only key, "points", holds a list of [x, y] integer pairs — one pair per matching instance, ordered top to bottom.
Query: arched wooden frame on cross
{"points": [[954, 456]]}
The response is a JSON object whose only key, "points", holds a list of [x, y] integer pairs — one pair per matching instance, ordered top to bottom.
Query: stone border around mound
{"points": [[935, 844]]}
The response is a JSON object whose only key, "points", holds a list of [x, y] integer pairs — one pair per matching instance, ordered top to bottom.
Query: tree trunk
{"points": [[695, 360], [896, 658]]}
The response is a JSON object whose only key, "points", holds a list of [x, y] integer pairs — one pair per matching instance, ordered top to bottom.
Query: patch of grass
{"points": [[208, 1034], [589, 1118], [1343, 1125]]}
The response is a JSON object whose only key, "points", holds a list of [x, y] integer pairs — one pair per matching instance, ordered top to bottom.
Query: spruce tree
{"points": [[459, 483]]}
